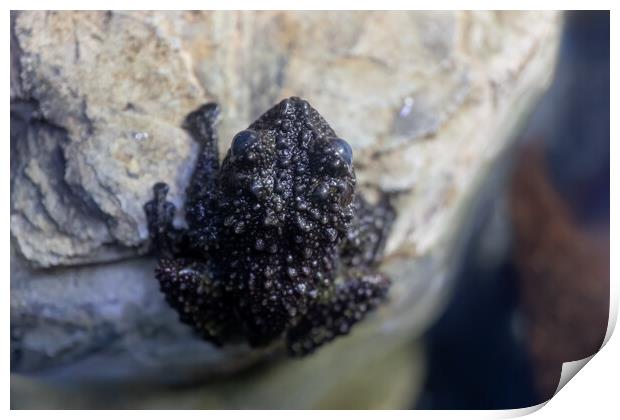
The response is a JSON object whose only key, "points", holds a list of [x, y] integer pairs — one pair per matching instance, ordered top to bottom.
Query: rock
{"points": [[97, 101], [97, 104], [105, 321]]}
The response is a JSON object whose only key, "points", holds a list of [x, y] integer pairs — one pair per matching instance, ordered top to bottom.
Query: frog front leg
{"points": [[201, 206], [368, 232], [164, 237], [167, 240], [183, 271], [348, 305]]}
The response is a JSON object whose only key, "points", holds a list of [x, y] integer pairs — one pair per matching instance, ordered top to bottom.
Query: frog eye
{"points": [[242, 141], [343, 149]]}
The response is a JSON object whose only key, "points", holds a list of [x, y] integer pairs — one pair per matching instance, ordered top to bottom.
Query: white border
{"points": [[594, 393]]}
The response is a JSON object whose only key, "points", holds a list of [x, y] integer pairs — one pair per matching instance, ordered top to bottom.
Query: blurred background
{"points": [[534, 288]]}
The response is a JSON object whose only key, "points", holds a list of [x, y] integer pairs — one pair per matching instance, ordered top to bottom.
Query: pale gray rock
{"points": [[104, 95], [101, 97], [107, 321]]}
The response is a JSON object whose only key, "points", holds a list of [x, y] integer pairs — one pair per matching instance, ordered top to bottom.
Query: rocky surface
{"points": [[98, 98], [428, 100], [97, 101], [107, 322]]}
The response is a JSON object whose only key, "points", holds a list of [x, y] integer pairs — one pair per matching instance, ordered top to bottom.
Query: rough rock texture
{"points": [[103, 96], [428, 100], [110, 321]]}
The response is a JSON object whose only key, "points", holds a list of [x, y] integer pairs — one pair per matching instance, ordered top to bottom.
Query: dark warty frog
{"points": [[278, 243]]}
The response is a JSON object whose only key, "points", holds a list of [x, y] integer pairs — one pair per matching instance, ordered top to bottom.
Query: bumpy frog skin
{"points": [[278, 243]]}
